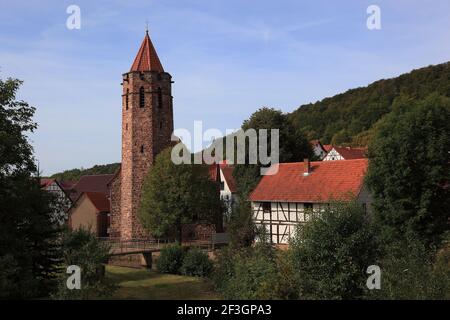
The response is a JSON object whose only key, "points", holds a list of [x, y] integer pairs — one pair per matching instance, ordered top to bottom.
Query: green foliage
{"points": [[347, 115], [293, 143], [408, 169], [75, 174], [174, 195], [241, 226], [29, 238], [82, 248], [332, 252], [170, 259], [196, 263], [411, 271], [258, 272], [15, 281]]}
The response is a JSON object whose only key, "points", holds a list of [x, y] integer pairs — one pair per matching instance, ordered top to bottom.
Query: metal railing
{"points": [[119, 246]]}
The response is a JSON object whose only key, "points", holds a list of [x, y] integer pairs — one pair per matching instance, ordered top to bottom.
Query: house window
{"points": [[141, 97], [126, 99], [160, 100], [142, 149], [266, 207]]}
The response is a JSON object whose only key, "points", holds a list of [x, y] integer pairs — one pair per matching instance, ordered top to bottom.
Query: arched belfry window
{"points": [[141, 97], [127, 99], [160, 99]]}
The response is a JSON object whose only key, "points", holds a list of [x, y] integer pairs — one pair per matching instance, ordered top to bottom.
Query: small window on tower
{"points": [[141, 97], [126, 99], [160, 100], [160, 124], [126, 126], [142, 149]]}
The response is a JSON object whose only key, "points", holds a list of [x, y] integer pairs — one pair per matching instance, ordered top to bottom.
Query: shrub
{"points": [[82, 248], [332, 252], [170, 259], [196, 263], [410, 271], [249, 273]]}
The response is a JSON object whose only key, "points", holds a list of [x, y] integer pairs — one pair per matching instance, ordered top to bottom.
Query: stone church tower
{"points": [[147, 126]]}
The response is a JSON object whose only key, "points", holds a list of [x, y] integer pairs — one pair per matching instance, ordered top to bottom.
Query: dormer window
{"points": [[141, 97]]}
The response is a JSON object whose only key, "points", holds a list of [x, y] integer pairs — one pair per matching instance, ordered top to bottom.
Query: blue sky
{"points": [[227, 58]]}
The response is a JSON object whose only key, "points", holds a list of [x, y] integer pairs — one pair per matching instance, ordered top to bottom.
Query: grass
{"points": [[150, 285]]}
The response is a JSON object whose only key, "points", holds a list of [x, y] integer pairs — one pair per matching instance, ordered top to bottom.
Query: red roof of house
{"points": [[147, 58], [327, 147], [349, 153], [227, 171], [213, 172], [338, 180], [45, 182], [92, 183], [99, 200]]}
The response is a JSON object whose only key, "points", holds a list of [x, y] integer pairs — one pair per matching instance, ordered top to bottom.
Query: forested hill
{"points": [[348, 117], [75, 174]]}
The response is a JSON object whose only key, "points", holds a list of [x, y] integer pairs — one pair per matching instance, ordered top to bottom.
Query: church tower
{"points": [[147, 126]]}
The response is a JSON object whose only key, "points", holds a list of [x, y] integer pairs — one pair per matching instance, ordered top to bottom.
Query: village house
{"points": [[319, 150], [345, 153], [228, 190], [62, 191], [283, 200], [91, 204], [91, 212]]}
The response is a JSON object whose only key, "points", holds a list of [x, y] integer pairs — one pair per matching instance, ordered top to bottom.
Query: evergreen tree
{"points": [[28, 237]]}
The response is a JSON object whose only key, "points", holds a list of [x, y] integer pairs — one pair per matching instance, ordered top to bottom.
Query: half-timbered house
{"points": [[345, 153], [283, 200]]}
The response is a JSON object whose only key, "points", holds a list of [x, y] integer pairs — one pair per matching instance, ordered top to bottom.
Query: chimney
{"points": [[307, 169]]}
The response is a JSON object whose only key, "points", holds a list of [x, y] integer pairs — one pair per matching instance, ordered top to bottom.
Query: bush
{"points": [[82, 248], [332, 252], [170, 259], [196, 263], [410, 271], [250, 273]]}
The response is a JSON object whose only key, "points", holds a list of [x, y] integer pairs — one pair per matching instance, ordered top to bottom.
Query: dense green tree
{"points": [[409, 170], [174, 195], [29, 246], [332, 251]]}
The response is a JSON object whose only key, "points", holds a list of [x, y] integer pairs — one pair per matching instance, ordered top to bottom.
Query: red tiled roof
{"points": [[147, 58], [327, 147], [349, 153], [213, 171], [227, 171], [339, 180], [45, 182], [92, 183], [67, 184], [99, 200]]}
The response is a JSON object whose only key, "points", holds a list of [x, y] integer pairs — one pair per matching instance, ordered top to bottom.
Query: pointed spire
{"points": [[147, 58]]}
